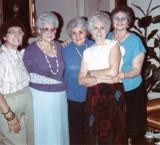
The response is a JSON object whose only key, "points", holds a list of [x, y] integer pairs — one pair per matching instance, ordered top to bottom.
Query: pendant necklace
{"points": [[79, 51], [46, 57]]}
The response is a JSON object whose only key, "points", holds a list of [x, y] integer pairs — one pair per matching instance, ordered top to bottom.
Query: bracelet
{"points": [[7, 112], [9, 115], [11, 118]]}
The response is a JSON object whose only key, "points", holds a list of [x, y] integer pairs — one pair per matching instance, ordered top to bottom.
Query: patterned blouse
{"points": [[13, 75]]}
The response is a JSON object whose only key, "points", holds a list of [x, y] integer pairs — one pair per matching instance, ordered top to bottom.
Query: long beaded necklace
{"points": [[79, 51], [46, 57]]}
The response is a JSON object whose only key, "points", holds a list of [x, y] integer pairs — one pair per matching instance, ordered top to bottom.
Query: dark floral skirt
{"points": [[105, 115]]}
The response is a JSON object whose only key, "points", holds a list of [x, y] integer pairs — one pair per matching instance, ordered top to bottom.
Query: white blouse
{"points": [[97, 56], [13, 74]]}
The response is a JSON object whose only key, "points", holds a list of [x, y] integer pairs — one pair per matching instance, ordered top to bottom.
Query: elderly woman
{"points": [[122, 20], [72, 55], [44, 63], [105, 106], [16, 120]]}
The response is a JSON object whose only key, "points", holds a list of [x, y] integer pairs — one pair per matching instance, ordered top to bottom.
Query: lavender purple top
{"points": [[35, 63]]}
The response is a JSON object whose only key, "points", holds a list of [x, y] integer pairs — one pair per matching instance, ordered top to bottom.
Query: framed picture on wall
{"points": [[20, 10]]}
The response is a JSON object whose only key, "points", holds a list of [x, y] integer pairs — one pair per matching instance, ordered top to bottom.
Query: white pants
{"points": [[21, 104]]}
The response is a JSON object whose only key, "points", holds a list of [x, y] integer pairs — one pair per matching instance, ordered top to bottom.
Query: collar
{"points": [[10, 50]]}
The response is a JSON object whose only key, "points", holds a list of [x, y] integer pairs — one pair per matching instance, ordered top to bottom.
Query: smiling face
{"points": [[120, 21], [99, 31], [47, 32], [78, 35], [13, 37]]}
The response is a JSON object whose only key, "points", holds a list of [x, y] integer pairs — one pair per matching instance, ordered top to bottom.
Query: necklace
{"points": [[79, 51], [46, 57]]}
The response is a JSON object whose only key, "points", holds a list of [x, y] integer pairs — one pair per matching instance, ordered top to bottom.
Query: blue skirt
{"points": [[50, 118]]}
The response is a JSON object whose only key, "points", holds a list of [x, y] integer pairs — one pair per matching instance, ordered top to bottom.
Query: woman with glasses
{"points": [[122, 20], [72, 55], [44, 63], [16, 120], [104, 120]]}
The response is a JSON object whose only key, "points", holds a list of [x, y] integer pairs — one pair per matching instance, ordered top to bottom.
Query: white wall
{"points": [[96, 5]]}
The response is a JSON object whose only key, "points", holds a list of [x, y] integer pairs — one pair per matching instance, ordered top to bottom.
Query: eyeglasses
{"points": [[122, 19], [47, 30], [19, 32]]}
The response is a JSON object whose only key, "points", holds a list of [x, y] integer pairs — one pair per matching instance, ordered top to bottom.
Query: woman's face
{"points": [[120, 21], [99, 31], [47, 32], [78, 35], [14, 37]]}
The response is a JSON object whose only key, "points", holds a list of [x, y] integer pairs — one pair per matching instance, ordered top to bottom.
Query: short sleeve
{"points": [[138, 47]]}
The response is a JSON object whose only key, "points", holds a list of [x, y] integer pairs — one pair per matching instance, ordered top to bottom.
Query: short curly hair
{"points": [[45, 18], [74, 23], [8, 24]]}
